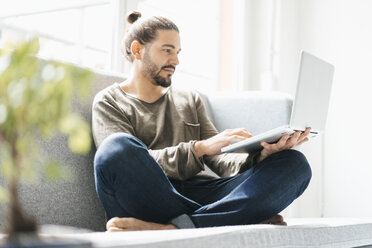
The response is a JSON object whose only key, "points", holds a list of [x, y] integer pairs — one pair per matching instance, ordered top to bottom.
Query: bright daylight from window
{"points": [[64, 28], [89, 33]]}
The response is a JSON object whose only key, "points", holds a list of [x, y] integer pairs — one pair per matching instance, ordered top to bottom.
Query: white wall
{"points": [[339, 31], [342, 32], [258, 35]]}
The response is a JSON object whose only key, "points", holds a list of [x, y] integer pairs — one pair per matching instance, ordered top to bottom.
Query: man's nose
{"points": [[175, 60]]}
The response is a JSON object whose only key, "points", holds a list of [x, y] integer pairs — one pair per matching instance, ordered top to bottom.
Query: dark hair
{"points": [[144, 30]]}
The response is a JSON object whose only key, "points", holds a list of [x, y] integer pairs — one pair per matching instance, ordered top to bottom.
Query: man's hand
{"points": [[285, 142], [213, 145]]}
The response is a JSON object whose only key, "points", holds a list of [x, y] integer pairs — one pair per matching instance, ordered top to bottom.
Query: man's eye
{"points": [[167, 50]]}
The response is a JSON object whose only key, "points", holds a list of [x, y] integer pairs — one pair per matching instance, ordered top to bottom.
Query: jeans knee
{"points": [[114, 150], [298, 163]]}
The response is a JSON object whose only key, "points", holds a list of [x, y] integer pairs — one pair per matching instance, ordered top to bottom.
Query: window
{"points": [[75, 31], [89, 33]]}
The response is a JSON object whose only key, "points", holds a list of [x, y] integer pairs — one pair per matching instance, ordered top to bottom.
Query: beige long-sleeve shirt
{"points": [[169, 127]]}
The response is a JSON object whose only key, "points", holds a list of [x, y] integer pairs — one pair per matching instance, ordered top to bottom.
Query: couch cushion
{"points": [[318, 232]]}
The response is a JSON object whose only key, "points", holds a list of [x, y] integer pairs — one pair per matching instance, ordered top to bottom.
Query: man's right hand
{"points": [[213, 145]]}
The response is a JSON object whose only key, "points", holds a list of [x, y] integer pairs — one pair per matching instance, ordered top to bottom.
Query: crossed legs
{"points": [[131, 184]]}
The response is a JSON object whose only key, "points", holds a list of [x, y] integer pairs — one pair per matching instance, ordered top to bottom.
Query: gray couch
{"points": [[75, 203]]}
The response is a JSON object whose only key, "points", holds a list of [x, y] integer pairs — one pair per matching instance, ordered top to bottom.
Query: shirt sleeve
{"points": [[108, 119], [178, 162], [226, 164]]}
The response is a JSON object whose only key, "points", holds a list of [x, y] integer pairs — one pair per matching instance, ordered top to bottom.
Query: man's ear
{"points": [[136, 49]]}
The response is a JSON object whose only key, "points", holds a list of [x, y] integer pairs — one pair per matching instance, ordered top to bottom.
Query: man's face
{"points": [[160, 57]]}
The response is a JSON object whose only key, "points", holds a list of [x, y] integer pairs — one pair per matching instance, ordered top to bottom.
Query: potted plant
{"points": [[35, 103]]}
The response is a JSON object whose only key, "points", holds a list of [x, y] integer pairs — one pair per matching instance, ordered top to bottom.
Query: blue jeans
{"points": [[130, 183]]}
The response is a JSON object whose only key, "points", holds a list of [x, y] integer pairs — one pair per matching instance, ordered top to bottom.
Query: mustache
{"points": [[169, 66]]}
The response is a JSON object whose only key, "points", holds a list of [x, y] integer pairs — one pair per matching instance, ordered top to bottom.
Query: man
{"points": [[154, 142]]}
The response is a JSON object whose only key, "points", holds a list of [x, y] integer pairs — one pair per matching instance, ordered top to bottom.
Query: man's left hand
{"points": [[285, 142]]}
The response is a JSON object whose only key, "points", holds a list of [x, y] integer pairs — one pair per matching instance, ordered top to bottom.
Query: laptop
{"points": [[310, 106]]}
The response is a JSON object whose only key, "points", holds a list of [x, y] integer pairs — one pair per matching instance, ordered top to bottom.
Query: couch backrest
{"points": [[257, 111], [75, 202]]}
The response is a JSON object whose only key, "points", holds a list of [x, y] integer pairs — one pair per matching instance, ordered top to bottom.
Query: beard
{"points": [[153, 71], [163, 82]]}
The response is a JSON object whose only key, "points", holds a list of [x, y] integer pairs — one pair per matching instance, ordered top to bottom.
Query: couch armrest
{"points": [[256, 111]]}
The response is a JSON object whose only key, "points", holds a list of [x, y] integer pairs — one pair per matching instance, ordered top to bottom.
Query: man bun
{"points": [[133, 16], [143, 31]]}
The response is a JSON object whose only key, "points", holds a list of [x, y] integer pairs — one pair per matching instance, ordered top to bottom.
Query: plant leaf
{"points": [[80, 141], [54, 171], [4, 196]]}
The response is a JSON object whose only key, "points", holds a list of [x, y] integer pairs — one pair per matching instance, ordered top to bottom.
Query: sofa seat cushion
{"points": [[317, 232]]}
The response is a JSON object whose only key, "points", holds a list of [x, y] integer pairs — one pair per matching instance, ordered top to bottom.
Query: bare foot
{"points": [[275, 220], [133, 224]]}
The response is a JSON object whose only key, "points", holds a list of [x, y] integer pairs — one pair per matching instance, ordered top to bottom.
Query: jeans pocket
{"points": [[192, 131]]}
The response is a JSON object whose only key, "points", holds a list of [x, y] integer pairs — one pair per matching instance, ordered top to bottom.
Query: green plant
{"points": [[36, 102]]}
